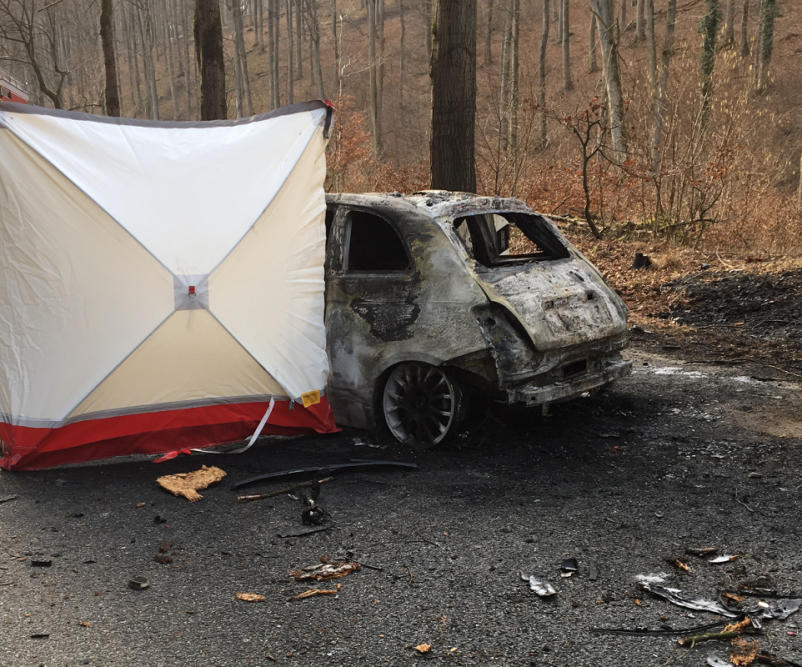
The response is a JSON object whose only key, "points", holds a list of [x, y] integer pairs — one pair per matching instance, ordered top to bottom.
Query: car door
{"points": [[371, 305]]}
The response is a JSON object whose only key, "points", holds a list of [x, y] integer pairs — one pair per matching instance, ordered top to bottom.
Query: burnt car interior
{"points": [[496, 239]]}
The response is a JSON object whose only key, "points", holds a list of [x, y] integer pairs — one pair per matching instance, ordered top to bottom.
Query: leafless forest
{"points": [[663, 119]]}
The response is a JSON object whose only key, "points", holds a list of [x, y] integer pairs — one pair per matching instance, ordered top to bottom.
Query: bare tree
{"points": [[288, 5], [144, 21], [640, 21], [729, 25], [33, 29], [313, 29], [744, 30], [608, 35], [765, 42], [593, 48], [209, 53], [273, 53], [488, 58], [707, 61], [374, 75], [453, 75], [568, 83], [661, 86], [112, 94], [541, 95], [245, 106]]}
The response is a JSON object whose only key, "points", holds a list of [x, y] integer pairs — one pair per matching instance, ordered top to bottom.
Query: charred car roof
{"points": [[433, 203]]}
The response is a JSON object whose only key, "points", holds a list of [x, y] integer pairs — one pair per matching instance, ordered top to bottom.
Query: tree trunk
{"points": [[428, 8], [768, 10], [623, 13], [640, 22], [259, 24], [729, 24], [709, 29], [744, 30], [335, 33], [489, 34], [146, 35], [558, 35], [299, 40], [651, 44], [593, 49], [209, 52], [291, 52], [168, 56], [241, 57], [132, 60], [402, 63], [453, 75], [612, 76], [189, 80], [568, 83], [513, 86], [660, 89], [541, 95], [112, 96], [374, 101]]}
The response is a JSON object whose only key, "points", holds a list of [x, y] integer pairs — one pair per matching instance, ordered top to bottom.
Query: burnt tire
{"points": [[421, 405]]}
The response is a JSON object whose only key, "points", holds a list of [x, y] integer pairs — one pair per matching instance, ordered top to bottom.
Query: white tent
{"points": [[160, 282]]}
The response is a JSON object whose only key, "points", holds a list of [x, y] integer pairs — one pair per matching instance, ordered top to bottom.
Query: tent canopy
{"points": [[160, 282]]}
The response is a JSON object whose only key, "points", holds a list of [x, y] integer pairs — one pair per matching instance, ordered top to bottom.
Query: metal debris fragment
{"points": [[334, 467], [325, 570], [138, 583], [542, 588], [675, 596]]}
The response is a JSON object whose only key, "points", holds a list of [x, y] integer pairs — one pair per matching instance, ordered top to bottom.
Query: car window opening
{"points": [[494, 239], [374, 245]]}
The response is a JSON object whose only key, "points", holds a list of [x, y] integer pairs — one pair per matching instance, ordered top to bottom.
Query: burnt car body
{"points": [[438, 297]]}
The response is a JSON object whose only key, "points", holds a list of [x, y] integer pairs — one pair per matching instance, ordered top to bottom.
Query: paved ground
{"points": [[679, 455]]}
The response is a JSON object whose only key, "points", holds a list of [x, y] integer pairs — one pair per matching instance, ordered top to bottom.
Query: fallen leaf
{"points": [[187, 483], [140, 505], [314, 591], [250, 597], [638, 602], [85, 624], [423, 648], [743, 651]]}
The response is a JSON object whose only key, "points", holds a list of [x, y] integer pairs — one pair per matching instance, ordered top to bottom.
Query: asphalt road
{"points": [[676, 456]]}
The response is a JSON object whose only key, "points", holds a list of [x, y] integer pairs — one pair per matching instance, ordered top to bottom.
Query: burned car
{"points": [[437, 299]]}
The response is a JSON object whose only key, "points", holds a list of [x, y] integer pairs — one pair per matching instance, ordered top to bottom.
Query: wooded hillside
{"points": [[674, 119]]}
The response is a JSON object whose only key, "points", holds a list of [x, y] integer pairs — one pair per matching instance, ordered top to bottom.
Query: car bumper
{"points": [[598, 376]]}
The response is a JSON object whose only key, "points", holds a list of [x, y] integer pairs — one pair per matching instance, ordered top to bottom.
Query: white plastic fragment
{"points": [[542, 588]]}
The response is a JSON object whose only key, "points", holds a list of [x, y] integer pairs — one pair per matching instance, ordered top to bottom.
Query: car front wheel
{"points": [[420, 404]]}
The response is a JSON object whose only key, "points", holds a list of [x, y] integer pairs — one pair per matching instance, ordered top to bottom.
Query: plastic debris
{"points": [[187, 484], [726, 558], [568, 567], [325, 570], [138, 583], [542, 588], [675, 596], [250, 597], [776, 609], [715, 661]]}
